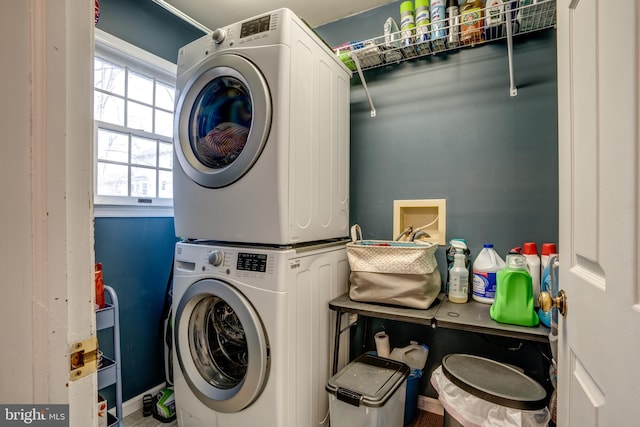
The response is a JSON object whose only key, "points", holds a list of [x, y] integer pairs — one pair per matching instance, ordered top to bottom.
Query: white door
{"points": [[599, 158], [46, 250]]}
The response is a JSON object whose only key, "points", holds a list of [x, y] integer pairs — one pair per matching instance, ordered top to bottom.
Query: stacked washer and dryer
{"points": [[261, 203]]}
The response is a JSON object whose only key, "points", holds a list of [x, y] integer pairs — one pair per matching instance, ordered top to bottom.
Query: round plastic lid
{"points": [[406, 6], [488, 245], [530, 248], [549, 248], [494, 382]]}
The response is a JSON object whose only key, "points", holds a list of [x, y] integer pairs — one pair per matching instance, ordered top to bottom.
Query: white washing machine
{"points": [[261, 135], [253, 333]]}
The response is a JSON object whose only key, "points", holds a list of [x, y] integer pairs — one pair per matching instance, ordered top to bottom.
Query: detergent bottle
{"points": [[532, 261], [485, 267], [513, 302]]}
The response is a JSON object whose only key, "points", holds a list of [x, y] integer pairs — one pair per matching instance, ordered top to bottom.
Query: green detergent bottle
{"points": [[514, 303]]}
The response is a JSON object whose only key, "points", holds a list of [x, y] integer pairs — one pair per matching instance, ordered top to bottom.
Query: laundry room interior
{"points": [[445, 128], [378, 213]]}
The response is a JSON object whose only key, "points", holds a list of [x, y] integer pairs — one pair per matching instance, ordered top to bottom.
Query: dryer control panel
{"points": [[255, 26]]}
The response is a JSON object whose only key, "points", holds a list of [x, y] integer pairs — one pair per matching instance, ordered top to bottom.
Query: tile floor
{"points": [[424, 419], [138, 420]]}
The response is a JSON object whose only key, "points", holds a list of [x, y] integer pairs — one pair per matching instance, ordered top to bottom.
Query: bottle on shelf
{"points": [[497, 14], [423, 19], [472, 22], [438, 24], [453, 24], [407, 28], [454, 246], [547, 250], [530, 253], [485, 267], [459, 280], [99, 285], [514, 297]]}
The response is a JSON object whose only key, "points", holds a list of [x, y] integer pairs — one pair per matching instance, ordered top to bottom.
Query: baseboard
{"points": [[135, 403], [430, 404]]}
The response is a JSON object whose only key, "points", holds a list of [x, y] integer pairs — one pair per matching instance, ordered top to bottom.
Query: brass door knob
{"points": [[546, 301]]}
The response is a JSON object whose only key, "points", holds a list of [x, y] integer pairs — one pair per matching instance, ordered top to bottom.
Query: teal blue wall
{"points": [[145, 24], [447, 128], [136, 256]]}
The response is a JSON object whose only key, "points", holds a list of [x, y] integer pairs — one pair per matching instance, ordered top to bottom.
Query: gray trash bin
{"points": [[479, 391], [368, 392]]}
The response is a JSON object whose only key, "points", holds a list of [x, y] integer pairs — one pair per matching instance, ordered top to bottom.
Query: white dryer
{"points": [[261, 135], [252, 333]]}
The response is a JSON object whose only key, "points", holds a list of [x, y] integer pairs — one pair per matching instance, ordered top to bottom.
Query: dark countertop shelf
{"points": [[472, 316]]}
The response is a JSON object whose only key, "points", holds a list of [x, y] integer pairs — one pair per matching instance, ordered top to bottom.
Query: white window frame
{"points": [[113, 49]]}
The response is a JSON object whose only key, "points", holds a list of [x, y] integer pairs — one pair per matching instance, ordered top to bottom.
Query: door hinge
{"points": [[83, 358]]}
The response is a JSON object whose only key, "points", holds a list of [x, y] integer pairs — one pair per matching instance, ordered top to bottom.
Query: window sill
{"points": [[114, 211]]}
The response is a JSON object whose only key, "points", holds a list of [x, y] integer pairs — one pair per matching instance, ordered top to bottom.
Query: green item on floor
{"points": [[164, 409]]}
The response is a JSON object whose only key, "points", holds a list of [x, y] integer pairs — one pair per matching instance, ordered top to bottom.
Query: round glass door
{"points": [[223, 121], [221, 345]]}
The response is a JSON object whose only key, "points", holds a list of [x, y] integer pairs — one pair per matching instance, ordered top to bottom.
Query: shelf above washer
{"points": [[525, 16]]}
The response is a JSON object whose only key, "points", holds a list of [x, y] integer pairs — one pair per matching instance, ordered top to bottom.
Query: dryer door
{"points": [[222, 120], [221, 346]]}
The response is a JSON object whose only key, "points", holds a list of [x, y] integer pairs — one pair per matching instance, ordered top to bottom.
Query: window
{"points": [[134, 94]]}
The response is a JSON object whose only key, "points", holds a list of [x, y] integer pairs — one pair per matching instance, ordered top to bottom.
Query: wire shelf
{"points": [[524, 16]]}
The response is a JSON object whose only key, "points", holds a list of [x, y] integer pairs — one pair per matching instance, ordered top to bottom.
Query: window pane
{"points": [[108, 76], [140, 88], [165, 96], [108, 108], [139, 116], [164, 123], [113, 146], [143, 151], [165, 153], [112, 179], [143, 182], [165, 189]]}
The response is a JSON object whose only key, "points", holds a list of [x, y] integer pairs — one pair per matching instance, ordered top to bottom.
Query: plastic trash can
{"points": [[368, 392], [483, 392]]}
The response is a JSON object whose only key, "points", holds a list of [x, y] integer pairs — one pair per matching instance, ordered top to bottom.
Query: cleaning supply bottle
{"points": [[496, 16], [423, 19], [471, 22], [438, 24], [453, 24], [407, 28], [455, 246], [546, 250], [549, 250], [530, 252], [485, 267], [458, 287], [514, 297]]}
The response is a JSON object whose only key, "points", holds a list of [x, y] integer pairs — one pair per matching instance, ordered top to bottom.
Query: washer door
{"points": [[222, 121], [221, 345]]}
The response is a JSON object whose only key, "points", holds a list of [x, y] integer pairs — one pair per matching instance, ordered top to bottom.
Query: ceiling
{"points": [[219, 13]]}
